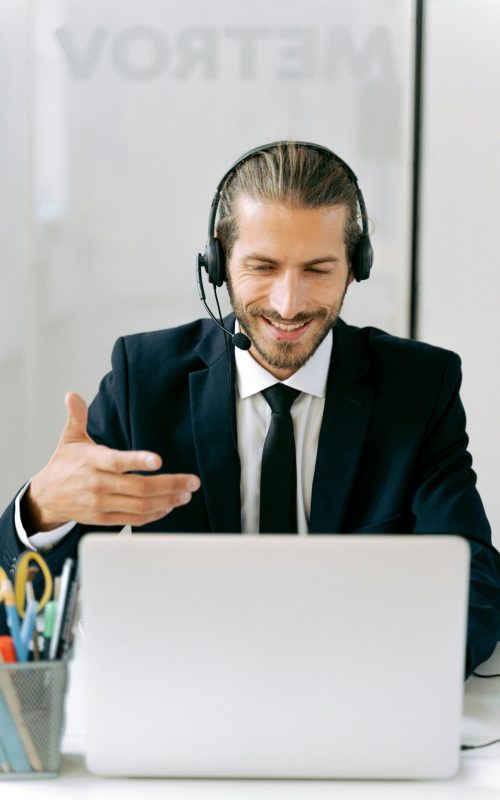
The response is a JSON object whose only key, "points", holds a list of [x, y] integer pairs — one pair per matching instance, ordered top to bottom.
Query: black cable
{"points": [[230, 382], [493, 675], [486, 744], [477, 746]]}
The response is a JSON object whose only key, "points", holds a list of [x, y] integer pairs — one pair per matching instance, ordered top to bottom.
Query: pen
{"points": [[66, 574], [69, 618], [27, 628], [21, 634]]}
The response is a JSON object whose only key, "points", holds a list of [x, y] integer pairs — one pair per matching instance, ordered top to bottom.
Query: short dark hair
{"points": [[294, 174]]}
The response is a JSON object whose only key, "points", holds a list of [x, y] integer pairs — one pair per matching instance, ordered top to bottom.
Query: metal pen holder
{"points": [[31, 718]]}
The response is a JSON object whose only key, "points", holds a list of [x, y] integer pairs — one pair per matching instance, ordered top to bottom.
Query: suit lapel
{"points": [[213, 414], [343, 430]]}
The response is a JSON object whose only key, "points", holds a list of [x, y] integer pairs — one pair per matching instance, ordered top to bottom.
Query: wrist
{"points": [[35, 512]]}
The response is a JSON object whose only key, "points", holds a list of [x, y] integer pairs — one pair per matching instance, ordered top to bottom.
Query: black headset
{"points": [[213, 259]]}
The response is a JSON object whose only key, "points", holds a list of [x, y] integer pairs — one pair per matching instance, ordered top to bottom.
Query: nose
{"points": [[288, 294]]}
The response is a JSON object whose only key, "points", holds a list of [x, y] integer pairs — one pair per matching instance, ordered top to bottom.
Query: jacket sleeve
{"points": [[108, 425], [446, 500]]}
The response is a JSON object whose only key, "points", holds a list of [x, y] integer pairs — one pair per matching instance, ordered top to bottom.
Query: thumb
{"points": [[76, 425]]}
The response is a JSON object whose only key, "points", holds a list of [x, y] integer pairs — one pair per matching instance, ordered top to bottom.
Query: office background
{"points": [[118, 119]]}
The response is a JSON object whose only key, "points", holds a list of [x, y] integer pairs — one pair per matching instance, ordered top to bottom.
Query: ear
{"points": [[350, 276]]}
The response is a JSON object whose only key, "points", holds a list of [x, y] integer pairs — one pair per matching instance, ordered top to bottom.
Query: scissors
{"points": [[20, 601]]}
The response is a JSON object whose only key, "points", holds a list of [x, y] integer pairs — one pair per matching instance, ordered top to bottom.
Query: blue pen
{"points": [[27, 628]]}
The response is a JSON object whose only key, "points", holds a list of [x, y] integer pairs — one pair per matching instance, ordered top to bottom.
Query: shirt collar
{"points": [[311, 378]]}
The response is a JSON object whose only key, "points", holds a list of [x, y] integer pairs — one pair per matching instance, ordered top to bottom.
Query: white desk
{"points": [[478, 777]]}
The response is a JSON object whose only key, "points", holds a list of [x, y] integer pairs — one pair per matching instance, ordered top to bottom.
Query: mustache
{"points": [[258, 311]]}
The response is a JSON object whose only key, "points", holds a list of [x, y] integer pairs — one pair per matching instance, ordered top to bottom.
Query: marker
{"points": [[12, 616], [49, 618], [7, 650]]}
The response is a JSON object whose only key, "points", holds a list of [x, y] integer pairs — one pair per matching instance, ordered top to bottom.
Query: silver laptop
{"points": [[326, 656]]}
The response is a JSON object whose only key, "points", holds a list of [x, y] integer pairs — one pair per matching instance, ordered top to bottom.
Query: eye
{"points": [[318, 271]]}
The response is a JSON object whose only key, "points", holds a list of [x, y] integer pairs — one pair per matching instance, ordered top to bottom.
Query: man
{"points": [[378, 430]]}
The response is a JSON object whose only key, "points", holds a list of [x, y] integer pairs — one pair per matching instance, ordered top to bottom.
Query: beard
{"points": [[285, 354]]}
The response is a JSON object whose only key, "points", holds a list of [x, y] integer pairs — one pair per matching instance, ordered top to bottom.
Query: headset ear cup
{"points": [[362, 259], [215, 262], [221, 263]]}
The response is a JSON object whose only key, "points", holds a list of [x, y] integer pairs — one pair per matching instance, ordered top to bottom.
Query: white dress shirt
{"points": [[253, 418], [45, 540]]}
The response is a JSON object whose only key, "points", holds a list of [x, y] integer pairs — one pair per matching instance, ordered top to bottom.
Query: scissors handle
{"points": [[22, 568]]}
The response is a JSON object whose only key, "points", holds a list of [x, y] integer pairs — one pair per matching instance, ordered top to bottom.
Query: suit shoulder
{"points": [[177, 338], [383, 347], [158, 348]]}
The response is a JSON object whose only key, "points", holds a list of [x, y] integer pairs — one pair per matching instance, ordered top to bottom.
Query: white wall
{"points": [[460, 270]]}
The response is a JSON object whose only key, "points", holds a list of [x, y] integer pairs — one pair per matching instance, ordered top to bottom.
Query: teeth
{"points": [[287, 327]]}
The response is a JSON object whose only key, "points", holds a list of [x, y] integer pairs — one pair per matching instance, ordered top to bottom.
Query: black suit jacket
{"points": [[392, 453]]}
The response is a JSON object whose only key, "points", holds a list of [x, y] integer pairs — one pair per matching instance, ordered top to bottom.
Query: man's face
{"points": [[287, 278]]}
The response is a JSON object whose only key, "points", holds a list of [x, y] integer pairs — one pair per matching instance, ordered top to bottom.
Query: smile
{"points": [[283, 327], [282, 331]]}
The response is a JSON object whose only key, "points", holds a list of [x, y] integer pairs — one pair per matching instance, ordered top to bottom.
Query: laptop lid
{"points": [[327, 656]]}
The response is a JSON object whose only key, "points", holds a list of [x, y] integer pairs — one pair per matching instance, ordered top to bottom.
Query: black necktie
{"points": [[278, 477]]}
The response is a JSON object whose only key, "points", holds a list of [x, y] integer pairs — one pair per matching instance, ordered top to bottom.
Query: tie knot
{"points": [[280, 397]]}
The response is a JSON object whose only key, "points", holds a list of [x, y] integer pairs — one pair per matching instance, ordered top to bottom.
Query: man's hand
{"points": [[86, 482]]}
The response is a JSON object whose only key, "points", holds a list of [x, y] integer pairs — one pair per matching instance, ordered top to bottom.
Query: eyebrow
{"points": [[260, 257]]}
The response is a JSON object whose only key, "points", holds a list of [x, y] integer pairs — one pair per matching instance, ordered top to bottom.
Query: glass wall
{"points": [[117, 121]]}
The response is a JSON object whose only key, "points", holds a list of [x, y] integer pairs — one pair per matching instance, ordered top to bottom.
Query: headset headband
{"points": [[213, 258]]}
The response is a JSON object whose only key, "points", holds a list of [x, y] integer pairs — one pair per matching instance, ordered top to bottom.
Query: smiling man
{"points": [[287, 294], [309, 426]]}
